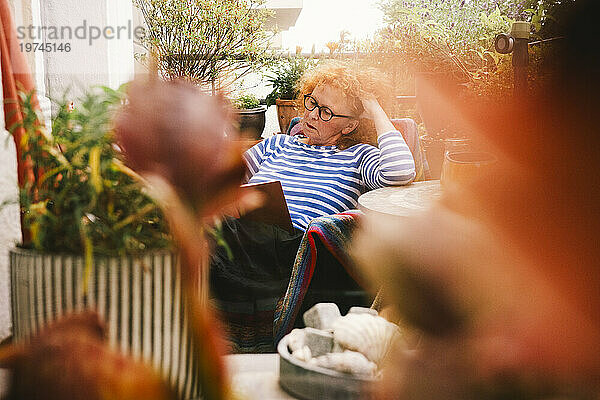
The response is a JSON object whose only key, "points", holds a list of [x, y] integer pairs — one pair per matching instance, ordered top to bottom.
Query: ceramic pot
{"points": [[251, 122]]}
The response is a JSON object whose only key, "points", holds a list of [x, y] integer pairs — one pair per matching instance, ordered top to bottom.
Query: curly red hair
{"points": [[355, 82]]}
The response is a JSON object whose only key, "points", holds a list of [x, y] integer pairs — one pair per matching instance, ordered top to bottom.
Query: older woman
{"points": [[326, 173], [323, 174]]}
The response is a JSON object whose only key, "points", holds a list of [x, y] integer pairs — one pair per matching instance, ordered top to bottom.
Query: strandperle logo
{"points": [[85, 31]]}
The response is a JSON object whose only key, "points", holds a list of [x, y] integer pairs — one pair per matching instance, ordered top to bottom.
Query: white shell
{"points": [[370, 335], [302, 354], [350, 362]]}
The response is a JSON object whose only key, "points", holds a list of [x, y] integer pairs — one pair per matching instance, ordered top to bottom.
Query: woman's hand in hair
{"points": [[375, 112]]}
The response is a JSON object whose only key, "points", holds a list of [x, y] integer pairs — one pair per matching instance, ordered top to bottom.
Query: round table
{"points": [[401, 200]]}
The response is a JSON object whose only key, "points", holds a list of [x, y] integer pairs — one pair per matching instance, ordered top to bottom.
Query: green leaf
{"points": [[95, 175]]}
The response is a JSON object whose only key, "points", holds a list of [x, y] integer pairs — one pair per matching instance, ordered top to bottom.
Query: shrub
{"points": [[451, 36], [210, 43], [285, 78], [246, 102], [83, 197]]}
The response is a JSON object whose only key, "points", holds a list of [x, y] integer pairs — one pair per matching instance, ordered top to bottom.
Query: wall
{"points": [[90, 62], [9, 220]]}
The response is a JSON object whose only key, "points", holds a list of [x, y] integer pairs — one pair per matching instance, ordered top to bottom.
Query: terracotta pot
{"points": [[286, 111], [251, 122], [461, 167]]}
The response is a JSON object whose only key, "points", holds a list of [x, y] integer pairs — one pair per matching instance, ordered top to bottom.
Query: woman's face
{"points": [[326, 133]]}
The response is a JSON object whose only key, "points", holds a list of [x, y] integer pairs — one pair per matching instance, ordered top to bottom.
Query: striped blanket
{"points": [[334, 231]]}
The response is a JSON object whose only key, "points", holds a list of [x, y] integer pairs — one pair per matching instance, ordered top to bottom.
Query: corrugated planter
{"points": [[140, 298]]}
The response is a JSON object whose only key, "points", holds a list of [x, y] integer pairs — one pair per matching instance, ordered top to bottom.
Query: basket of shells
{"points": [[335, 356]]}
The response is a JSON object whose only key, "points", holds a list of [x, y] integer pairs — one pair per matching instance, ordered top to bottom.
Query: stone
{"points": [[363, 310], [322, 316], [319, 342]]}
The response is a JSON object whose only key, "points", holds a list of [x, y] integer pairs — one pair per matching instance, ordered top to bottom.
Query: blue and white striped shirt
{"points": [[323, 180]]}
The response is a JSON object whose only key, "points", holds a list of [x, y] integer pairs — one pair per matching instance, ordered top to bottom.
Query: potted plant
{"points": [[209, 43], [448, 49], [287, 74], [250, 116], [93, 239]]}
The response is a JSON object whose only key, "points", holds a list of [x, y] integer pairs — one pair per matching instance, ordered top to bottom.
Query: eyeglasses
{"points": [[325, 113]]}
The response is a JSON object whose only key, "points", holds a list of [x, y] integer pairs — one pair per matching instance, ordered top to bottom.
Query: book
{"points": [[274, 210]]}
